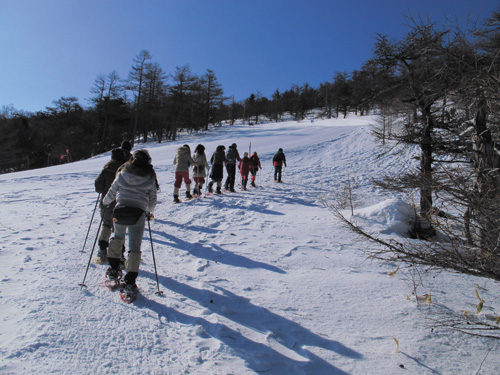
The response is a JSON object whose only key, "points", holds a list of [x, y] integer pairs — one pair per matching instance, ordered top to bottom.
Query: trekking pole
{"points": [[91, 220], [82, 284], [159, 292]]}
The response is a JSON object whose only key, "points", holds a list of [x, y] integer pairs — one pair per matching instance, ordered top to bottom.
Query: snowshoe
{"points": [[113, 278], [129, 293]]}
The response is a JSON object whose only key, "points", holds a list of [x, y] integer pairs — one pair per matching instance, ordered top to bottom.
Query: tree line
{"points": [[151, 104]]}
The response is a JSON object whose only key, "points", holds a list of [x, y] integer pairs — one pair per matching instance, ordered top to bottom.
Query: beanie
{"points": [[126, 145], [117, 154]]}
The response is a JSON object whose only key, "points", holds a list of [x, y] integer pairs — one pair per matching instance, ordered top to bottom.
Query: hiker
{"points": [[126, 146], [232, 156], [279, 160], [182, 161], [244, 167], [254, 167], [199, 169], [217, 172], [102, 184], [134, 190]]}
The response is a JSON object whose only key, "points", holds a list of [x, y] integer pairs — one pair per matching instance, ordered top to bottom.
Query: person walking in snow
{"points": [[126, 146], [232, 156], [279, 160], [182, 161], [244, 167], [254, 167], [199, 169], [217, 171], [102, 184], [134, 190]]}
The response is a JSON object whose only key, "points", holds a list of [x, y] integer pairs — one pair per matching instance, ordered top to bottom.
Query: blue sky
{"points": [[55, 48]]}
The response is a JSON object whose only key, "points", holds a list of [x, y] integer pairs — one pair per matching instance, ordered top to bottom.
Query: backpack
{"points": [[231, 155], [278, 157]]}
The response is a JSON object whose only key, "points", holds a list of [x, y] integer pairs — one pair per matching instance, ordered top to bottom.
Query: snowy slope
{"points": [[258, 281]]}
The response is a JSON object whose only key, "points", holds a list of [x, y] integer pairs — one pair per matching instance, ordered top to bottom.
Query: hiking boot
{"points": [[253, 183], [210, 190], [218, 191], [188, 195], [176, 199], [102, 255], [122, 262], [114, 274], [130, 288], [129, 292]]}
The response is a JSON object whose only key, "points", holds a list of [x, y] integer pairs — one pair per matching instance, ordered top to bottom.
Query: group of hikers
{"points": [[247, 165], [128, 189]]}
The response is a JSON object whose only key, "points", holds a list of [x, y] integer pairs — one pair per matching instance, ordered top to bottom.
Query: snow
{"points": [[260, 281]]}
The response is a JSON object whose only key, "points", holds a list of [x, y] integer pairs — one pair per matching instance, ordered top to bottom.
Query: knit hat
{"points": [[126, 145], [117, 154], [245, 155]]}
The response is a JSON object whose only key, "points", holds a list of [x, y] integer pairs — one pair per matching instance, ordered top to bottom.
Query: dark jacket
{"points": [[235, 155], [218, 157], [279, 159], [217, 160], [106, 177]]}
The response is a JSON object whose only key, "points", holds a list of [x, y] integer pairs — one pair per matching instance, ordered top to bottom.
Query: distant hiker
{"points": [[126, 146], [232, 156], [279, 160], [182, 161], [244, 167], [254, 167], [199, 169], [217, 171], [102, 184], [134, 190]]}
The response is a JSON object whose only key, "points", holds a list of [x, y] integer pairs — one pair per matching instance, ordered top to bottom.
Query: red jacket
{"points": [[255, 162], [244, 166]]}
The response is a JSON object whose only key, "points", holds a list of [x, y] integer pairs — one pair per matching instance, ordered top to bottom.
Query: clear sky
{"points": [[55, 48]]}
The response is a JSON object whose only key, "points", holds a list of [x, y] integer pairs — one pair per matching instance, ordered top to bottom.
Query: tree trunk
{"points": [[487, 183], [424, 226]]}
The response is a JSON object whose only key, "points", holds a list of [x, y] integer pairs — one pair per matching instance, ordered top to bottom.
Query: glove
{"points": [[150, 216]]}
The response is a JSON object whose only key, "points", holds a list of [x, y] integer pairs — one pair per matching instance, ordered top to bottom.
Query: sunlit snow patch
{"points": [[392, 216]]}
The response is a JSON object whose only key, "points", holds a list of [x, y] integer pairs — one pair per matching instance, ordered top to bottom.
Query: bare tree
{"points": [[136, 85]]}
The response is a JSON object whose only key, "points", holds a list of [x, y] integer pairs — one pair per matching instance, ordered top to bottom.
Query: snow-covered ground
{"points": [[259, 281]]}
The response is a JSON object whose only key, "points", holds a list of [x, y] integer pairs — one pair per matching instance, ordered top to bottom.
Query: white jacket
{"points": [[133, 188]]}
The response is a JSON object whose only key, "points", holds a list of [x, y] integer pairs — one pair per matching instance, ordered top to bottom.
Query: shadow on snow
{"points": [[258, 356]]}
